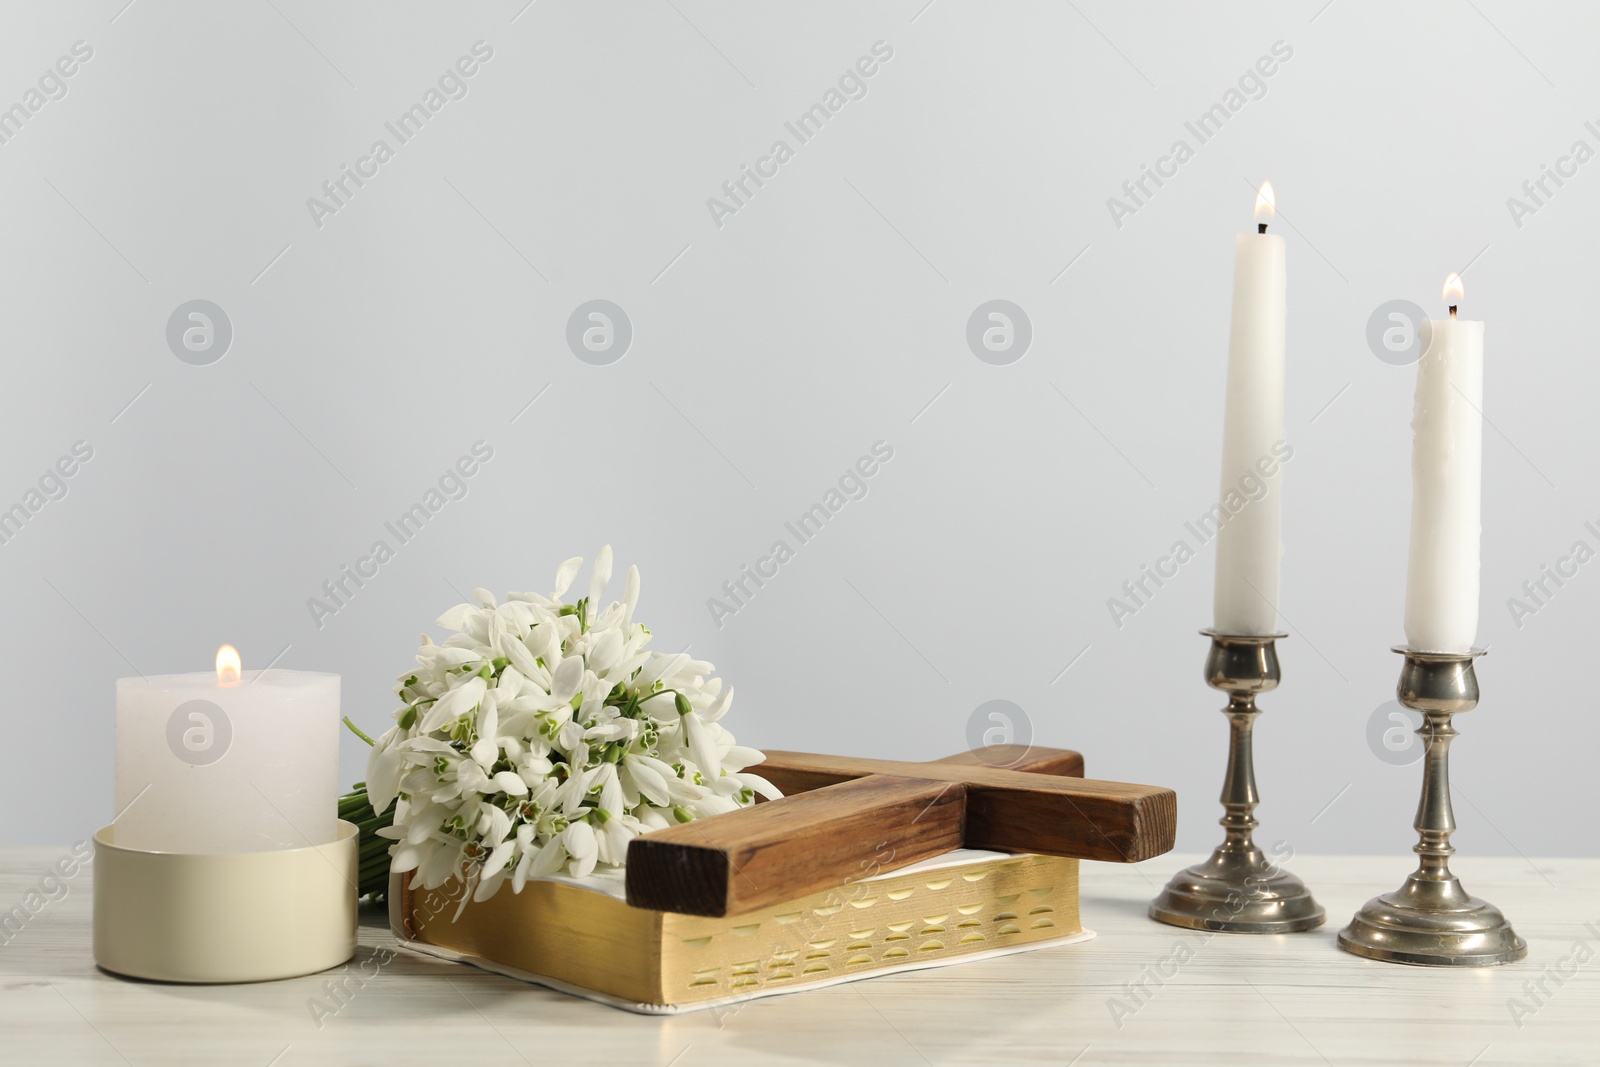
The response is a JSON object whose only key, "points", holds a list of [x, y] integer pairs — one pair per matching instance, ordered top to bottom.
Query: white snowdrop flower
{"points": [[564, 575], [600, 576], [630, 597], [701, 749], [738, 757], [754, 782], [652, 818], [579, 841]]}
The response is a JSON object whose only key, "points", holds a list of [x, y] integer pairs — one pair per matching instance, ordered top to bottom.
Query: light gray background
{"points": [[769, 354]]}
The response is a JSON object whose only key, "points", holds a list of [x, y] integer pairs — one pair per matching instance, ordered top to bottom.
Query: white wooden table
{"points": [[1292, 999]]}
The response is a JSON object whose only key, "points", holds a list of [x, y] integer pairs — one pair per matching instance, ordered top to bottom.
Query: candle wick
{"points": [[1261, 227], [1452, 311]]}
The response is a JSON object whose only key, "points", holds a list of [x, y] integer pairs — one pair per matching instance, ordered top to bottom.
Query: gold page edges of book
{"points": [[586, 937]]}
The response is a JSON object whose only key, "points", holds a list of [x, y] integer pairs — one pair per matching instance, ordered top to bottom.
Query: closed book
{"points": [[580, 935]]}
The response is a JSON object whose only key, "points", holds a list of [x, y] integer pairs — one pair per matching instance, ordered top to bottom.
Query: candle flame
{"points": [[1266, 202], [1453, 289], [228, 666]]}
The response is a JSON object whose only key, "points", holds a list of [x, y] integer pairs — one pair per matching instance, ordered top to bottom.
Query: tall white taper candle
{"points": [[1446, 484], [1248, 541]]}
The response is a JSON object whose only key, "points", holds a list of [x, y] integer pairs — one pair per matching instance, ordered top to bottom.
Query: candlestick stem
{"points": [[1239, 796], [1436, 818], [1238, 889], [1431, 920]]}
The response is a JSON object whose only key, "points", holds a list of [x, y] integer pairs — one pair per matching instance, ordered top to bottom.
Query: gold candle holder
{"points": [[1238, 890], [1431, 920]]}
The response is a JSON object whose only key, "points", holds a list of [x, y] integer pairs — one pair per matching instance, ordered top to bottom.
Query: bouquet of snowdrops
{"points": [[542, 736]]}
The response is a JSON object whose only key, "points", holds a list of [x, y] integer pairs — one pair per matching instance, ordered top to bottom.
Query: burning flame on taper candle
{"points": [[1266, 203], [1453, 289], [228, 666]]}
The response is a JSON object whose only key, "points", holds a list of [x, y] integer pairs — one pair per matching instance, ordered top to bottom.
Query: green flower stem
{"points": [[357, 731], [373, 851]]}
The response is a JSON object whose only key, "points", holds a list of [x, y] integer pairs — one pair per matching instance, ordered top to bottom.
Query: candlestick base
{"points": [[1238, 890], [1239, 893], [1431, 920], [1432, 924]]}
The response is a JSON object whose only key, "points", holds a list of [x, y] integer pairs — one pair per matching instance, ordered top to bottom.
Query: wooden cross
{"points": [[841, 815]]}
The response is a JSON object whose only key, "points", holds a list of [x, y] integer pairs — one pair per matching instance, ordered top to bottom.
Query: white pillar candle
{"points": [[1446, 484], [1248, 538], [227, 762]]}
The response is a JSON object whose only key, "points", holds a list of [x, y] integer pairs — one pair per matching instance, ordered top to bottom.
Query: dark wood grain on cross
{"points": [[843, 817]]}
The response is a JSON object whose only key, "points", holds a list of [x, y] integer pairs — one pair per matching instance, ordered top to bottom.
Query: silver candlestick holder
{"points": [[1238, 889], [1431, 920]]}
